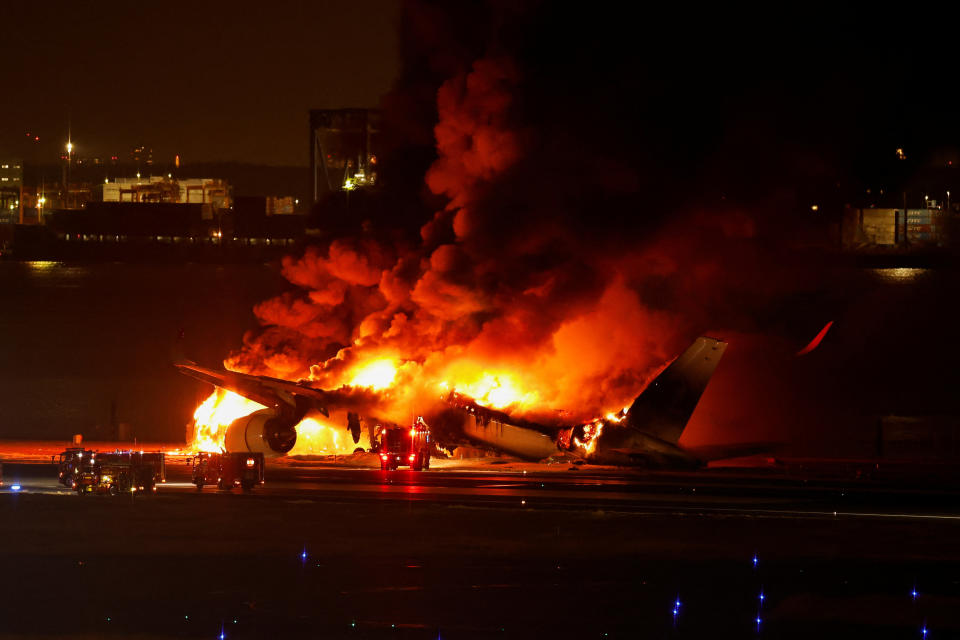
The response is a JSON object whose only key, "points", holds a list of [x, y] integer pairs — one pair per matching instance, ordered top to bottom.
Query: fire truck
{"points": [[405, 447], [68, 462], [228, 470], [119, 472]]}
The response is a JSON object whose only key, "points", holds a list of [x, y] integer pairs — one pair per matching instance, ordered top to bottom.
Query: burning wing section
{"points": [[270, 431]]}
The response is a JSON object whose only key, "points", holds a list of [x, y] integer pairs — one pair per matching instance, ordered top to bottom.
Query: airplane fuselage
{"points": [[626, 446]]}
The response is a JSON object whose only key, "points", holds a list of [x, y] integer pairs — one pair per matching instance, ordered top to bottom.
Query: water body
{"points": [[75, 339]]}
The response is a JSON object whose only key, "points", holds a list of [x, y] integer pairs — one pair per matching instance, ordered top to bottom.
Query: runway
{"points": [[753, 493], [453, 553]]}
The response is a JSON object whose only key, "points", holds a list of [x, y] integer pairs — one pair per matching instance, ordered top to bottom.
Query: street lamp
{"points": [[66, 173]]}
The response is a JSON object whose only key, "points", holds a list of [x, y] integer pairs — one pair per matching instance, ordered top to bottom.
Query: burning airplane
{"points": [[526, 294], [646, 432]]}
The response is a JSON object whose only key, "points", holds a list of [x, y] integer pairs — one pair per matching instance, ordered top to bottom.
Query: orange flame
{"points": [[376, 374], [497, 391], [214, 415], [591, 433], [317, 436]]}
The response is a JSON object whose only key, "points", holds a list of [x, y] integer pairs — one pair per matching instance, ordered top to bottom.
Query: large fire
{"points": [[515, 306], [377, 374], [495, 390], [215, 414], [316, 435], [319, 435]]}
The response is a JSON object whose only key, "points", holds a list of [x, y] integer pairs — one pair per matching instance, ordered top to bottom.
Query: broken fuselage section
{"points": [[645, 434]]}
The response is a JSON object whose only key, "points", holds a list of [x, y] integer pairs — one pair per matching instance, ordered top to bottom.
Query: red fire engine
{"points": [[400, 447], [228, 470]]}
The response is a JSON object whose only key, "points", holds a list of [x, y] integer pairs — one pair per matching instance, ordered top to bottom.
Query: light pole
{"points": [[69, 162]]}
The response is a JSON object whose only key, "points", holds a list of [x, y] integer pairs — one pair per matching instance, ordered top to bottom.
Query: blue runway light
{"points": [[14, 487], [303, 555], [755, 561], [914, 593], [761, 597], [923, 632]]}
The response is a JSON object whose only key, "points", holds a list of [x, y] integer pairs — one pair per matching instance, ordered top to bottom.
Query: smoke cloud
{"points": [[566, 257]]}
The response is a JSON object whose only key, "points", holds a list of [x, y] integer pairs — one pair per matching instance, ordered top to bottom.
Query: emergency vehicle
{"points": [[405, 447], [67, 464], [228, 470], [118, 473]]}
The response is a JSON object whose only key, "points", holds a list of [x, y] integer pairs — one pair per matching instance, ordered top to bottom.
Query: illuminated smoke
{"points": [[550, 285], [510, 307], [519, 315]]}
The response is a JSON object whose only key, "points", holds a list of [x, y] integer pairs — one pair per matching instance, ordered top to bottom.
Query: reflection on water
{"points": [[42, 265], [899, 274]]}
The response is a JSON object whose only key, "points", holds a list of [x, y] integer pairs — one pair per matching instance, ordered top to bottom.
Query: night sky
{"points": [[211, 81]]}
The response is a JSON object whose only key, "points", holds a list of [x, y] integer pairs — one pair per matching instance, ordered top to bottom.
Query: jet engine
{"points": [[261, 432]]}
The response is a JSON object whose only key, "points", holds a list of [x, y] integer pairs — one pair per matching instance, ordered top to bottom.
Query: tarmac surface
{"points": [[324, 550]]}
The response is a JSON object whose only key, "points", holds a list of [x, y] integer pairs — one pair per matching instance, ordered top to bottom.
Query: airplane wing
{"points": [[270, 392]]}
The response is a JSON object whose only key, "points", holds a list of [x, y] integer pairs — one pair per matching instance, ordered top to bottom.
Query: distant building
{"points": [[343, 149], [11, 173], [11, 190], [213, 194], [277, 206], [887, 228]]}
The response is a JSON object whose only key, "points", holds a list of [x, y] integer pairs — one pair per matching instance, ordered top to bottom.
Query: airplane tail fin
{"points": [[665, 406]]}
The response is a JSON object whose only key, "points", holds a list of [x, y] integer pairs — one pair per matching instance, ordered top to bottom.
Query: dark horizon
{"points": [[215, 82]]}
